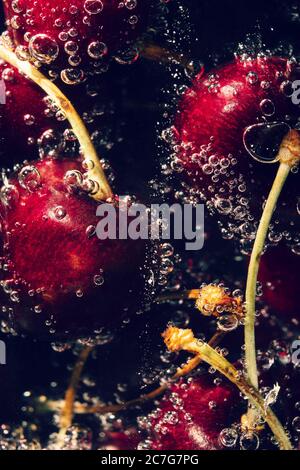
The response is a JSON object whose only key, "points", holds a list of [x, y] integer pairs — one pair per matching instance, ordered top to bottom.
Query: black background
{"points": [[218, 27]]}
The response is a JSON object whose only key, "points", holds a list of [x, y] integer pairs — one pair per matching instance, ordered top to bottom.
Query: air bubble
{"points": [[93, 7], [43, 48], [97, 49], [128, 56], [72, 76], [267, 107], [262, 141], [51, 143], [29, 178], [73, 180], [9, 195], [59, 212], [98, 280], [227, 322]]}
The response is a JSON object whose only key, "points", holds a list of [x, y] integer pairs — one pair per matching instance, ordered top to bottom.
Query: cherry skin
{"points": [[74, 37], [25, 113], [38, 124], [216, 147], [279, 274], [61, 280], [192, 415], [121, 440]]}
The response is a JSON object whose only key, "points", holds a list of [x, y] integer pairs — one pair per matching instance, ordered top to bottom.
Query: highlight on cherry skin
{"points": [[74, 38], [226, 131], [59, 280]]}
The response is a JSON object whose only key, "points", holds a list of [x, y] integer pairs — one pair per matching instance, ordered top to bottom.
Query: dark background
{"points": [[209, 31]]}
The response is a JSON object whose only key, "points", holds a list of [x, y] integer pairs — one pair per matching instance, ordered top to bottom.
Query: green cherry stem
{"points": [[288, 156]]}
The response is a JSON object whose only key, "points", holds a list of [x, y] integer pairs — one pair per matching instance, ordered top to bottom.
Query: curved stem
{"points": [[161, 54], [288, 156], [95, 173], [258, 247], [192, 294], [183, 340], [250, 348], [181, 372], [67, 412]]}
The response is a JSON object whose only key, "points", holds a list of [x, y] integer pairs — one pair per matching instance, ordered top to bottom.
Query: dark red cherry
{"points": [[74, 37], [25, 115], [229, 122], [32, 125], [279, 275], [60, 279], [192, 415], [122, 440]]}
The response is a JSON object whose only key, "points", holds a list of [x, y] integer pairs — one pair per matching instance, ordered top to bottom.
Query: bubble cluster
{"points": [[73, 39], [226, 156]]}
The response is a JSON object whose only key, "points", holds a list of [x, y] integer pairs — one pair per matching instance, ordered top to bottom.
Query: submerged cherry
{"points": [[73, 38], [25, 115], [229, 124], [32, 125], [279, 275], [61, 280], [195, 414], [120, 440]]}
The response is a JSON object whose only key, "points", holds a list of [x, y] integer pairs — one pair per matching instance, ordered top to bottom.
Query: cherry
{"points": [[74, 37], [26, 112], [36, 120], [228, 122], [279, 271], [60, 279], [192, 415], [121, 440]]}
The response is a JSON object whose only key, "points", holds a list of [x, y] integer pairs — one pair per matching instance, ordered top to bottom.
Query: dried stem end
{"points": [[289, 151], [213, 300], [177, 339]]}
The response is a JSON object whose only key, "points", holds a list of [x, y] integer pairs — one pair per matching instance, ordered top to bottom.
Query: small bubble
{"points": [[93, 7], [43, 48], [97, 49], [29, 178], [9, 195], [59, 212], [98, 280], [227, 322]]}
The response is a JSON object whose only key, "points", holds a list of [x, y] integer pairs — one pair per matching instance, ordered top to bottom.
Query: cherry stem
{"points": [[161, 54], [288, 157], [95, 173], [192, 294], [178, 339], [192, 364], [67, 412]]}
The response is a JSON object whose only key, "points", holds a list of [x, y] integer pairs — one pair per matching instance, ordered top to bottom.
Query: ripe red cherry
{"points": [[74, 37], [25, 113], [37, 122], [213, 133], [279, 275], [62, 281], [192, 415], [125, 440]]}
